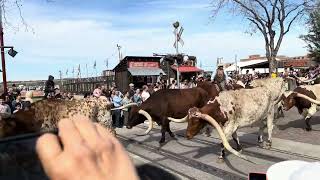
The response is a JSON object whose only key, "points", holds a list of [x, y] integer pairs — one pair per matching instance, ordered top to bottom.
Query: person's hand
{"points": [[87, 151]]}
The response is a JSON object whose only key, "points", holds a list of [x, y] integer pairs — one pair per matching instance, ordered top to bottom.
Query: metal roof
{"points": [[145, 71]]}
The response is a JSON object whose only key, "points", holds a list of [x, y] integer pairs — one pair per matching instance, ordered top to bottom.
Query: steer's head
{"points": [[289, 101], [135, 117], [195, 124]]}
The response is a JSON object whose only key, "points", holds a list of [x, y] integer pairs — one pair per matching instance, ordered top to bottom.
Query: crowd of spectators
{"points": [[11, 101]]}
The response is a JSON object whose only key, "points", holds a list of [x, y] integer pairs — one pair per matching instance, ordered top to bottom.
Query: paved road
{"points": [[197, 158]]}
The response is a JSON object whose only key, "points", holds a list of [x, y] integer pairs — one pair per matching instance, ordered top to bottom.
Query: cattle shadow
{"points": [[300, 123], [147, 172]]}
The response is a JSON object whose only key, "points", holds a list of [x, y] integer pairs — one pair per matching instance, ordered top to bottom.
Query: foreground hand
{"points": [[89, 152]]}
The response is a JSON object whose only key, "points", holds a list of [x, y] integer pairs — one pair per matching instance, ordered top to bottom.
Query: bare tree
{"points": [[13, 9], [272, 18]]}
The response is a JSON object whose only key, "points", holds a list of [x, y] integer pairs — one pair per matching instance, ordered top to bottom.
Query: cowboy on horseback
{"points": [[220, 78]]}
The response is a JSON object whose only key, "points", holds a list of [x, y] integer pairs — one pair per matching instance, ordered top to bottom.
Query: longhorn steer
{"points": [[306, 99], [163, 104], [235, 109], [45, 114]]}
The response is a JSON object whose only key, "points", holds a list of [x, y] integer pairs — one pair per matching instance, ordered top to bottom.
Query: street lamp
{"points": [[176, 26], [12, 53]]}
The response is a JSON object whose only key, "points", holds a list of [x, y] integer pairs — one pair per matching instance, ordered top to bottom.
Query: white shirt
{"points": [[145, 95]]}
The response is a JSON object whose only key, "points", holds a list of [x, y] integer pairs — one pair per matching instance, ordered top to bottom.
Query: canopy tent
{"points": [[243, 64]]}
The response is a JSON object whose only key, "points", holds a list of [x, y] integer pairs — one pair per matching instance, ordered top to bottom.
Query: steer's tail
{"points": [[222, 136]]}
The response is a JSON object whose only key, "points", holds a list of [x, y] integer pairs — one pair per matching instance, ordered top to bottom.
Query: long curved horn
{"points": [[308, 98], [125, 106], [147, 115], [182, 120], [225, 142]]}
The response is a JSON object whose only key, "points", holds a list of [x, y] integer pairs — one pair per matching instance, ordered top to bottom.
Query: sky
{"points": [[61, 34]]}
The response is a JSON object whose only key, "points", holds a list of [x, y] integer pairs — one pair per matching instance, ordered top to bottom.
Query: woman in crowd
{"points": [[97, 91], [145, 93], [137, 97], [126, 100], [116, 114]]}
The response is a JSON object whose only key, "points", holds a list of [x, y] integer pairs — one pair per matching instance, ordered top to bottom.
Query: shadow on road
{"points": [[300, 123], [147, 172]]}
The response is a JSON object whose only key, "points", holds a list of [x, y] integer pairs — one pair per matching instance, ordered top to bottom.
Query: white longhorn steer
{"points": [[235, 109]]}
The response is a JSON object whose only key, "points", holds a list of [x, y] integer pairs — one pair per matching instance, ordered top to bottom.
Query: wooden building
{"points": [[139, 70], [86, 85]]}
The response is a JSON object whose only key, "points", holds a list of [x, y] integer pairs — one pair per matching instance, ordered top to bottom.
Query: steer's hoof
{"points": [[308, 129], [172, 135], [161, 141], [267, 145], [220, 160]]}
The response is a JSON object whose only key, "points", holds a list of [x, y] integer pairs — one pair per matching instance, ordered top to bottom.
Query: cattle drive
{"points": [[226, 109]]}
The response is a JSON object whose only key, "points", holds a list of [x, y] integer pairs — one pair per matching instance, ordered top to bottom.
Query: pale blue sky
{"points": [[73, 32]]}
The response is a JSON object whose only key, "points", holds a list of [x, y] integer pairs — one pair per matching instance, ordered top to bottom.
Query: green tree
{"points": [[313, 36]]}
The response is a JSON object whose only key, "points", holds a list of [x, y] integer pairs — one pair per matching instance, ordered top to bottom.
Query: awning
{"points": [[185, 69], [145, 71]]}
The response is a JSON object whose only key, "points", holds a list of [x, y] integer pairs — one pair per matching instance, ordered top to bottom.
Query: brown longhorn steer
{"points": [[298, 98]]}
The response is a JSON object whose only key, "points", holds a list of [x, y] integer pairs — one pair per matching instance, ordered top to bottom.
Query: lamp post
{"points": [[176, 26], [11, 52]]}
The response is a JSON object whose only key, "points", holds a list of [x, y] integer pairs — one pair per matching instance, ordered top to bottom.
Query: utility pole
{"points": [[119, 51], [4, 75]]}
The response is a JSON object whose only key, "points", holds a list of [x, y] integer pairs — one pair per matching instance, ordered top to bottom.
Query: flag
{"points": [[107, 62], [95, 65], [72, 70], [67, 72]]}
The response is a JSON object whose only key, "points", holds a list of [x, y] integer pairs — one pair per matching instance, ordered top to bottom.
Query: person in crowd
{"points": [[220, 77], [160, 78], [200, 78], [247, 78], [163, 84], [185, 84], [174, 85], [49, 87], [156, 88], [131, 90], [15, 91], [97, 91], [104, 91], [57, 93], [145, 93], [64, 95], [69, 96], [137, 97], [17, 101], [117, 102], [18, 107], [5, 110], [125, 111], [101, 155]]}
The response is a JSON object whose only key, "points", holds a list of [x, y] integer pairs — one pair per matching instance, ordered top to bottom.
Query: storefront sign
{"points": [[144, 64]]}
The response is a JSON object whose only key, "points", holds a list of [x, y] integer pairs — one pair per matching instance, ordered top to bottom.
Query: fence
{"points": [[86, 85]]}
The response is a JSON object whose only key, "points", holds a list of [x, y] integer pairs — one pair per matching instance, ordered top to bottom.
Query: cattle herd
{"points": [[204, 105]]}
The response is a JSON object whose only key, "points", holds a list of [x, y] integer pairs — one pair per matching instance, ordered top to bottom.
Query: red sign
{"points": [[143, 64]]}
